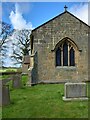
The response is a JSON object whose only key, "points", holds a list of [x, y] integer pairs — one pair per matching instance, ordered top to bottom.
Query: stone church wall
{"points": [[45, 39]]}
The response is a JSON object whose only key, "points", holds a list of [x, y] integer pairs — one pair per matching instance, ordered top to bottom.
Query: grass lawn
{"points": [[8, 70], [43, 101]]}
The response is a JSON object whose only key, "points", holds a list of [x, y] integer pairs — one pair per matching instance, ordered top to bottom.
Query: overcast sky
{"points": [[29, 15]]}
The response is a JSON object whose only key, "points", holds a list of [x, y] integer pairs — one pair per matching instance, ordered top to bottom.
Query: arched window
{"points": [[65, 54], [58, 57], [72, 57]]}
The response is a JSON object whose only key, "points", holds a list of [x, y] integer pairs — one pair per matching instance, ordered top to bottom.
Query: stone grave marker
{"points": [[16, 82], [75, 91], [0, 92], [5, 95]]}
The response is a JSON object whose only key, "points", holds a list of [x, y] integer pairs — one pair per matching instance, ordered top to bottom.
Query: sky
{"points": [[29, 15]]}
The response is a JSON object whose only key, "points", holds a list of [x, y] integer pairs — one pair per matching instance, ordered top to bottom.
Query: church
{"points": [[59, 50]]}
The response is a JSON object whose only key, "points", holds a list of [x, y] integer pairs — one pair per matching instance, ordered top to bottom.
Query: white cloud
{"points": [[27, 7], [81, 11], [18, 20]]}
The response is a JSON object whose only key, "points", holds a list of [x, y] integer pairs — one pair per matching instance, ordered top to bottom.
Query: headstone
{"points": [[16, 83], [75, 91], [0, 92], [5, 95]]}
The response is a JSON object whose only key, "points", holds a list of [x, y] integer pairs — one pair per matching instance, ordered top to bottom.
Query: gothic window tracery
{"points": [[65, 54]]}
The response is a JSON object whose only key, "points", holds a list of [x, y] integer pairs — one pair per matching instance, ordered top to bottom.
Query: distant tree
{"points": [[6, 30], [21, 45]]}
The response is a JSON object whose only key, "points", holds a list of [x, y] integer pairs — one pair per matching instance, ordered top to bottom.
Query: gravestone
{"points": [[16, 83], [75, 91], [0, 92], [5, 95]]}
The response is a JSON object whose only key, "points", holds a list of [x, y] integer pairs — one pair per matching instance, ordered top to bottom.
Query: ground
{"points": [[42, 101]]}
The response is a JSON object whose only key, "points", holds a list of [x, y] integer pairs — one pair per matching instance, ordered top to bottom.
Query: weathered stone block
{"points": [[29, 76], [16, 81], [75, 91], [0, 92], [5, 95]]}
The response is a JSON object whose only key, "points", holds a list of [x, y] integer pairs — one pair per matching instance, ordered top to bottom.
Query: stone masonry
{"points": [[45, 39]]}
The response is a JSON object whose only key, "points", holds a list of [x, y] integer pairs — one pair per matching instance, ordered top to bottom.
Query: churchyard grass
{"points": [[8, 70], [24, 81], [43, 101], [0, 112]]}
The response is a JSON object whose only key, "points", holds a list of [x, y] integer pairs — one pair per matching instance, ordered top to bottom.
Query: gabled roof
{"points": [[59, 16]]}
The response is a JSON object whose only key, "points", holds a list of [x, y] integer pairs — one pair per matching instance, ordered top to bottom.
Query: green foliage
{"points": [[8, 70], [11, 70], [4, 77], [24, 80], [10, 85], [43, 101]]}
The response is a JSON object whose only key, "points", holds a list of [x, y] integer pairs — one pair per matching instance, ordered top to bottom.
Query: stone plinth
{"points": [[75, 91]]}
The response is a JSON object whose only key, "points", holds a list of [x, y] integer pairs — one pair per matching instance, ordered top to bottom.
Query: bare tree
{"points": [[6, 30], [21, 45]]}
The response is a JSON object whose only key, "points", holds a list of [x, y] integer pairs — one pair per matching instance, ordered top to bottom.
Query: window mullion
{"points": [[61, 57]]}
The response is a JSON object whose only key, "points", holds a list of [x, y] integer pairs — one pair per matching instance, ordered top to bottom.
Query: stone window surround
{"points": [[71, 44], [69, 48], [67, 67]]}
